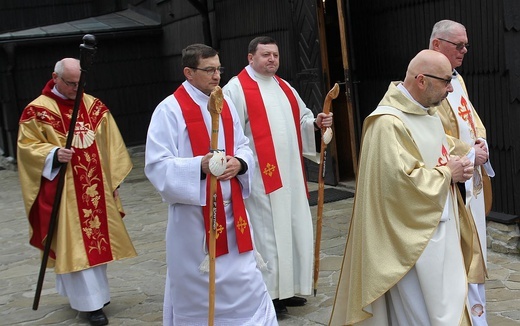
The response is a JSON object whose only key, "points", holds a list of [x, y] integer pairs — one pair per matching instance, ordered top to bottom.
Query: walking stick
{"points": [[87, 50], [216, 101], [325, 139]]}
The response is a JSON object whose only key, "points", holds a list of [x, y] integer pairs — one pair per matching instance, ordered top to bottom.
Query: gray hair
{"points": [[443, 29], [60, 66]]}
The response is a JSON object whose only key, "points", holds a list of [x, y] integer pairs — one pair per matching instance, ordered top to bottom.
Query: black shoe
{"points": [[294, 301], [279, 307], [97, 318]]}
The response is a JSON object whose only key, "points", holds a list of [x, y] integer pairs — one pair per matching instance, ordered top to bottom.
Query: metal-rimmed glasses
{"points": [[458, 46], [210, 70], [446, 80], [68, 83]]}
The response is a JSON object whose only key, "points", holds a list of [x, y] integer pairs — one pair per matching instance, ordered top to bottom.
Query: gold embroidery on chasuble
{"points": [[89, 187]]}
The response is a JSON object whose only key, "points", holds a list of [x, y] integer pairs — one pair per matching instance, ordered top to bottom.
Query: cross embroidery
{"points": [[466, 114], [269, 169], [242, 224], [219, 230]]}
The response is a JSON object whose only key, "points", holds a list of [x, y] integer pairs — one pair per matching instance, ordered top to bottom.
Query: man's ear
{"points": [[435, 44], [250, 58], [188, 73]]}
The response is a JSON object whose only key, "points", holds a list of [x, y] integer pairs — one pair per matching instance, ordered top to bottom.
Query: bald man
{"points": [[90, 231], [403, 263]]}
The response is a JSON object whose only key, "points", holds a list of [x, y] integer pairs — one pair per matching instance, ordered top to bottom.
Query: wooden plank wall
{"points": [[387, 34]]}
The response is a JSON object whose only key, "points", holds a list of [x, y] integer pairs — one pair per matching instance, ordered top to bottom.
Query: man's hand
{"points": [[324, 120], [481, 153], [64, 155], [233, 166], [461, 168]]}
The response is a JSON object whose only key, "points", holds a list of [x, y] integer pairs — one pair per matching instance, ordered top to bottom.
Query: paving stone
{"points": [[137, 284]]}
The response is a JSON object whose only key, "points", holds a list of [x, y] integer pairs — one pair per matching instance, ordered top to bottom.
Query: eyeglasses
{"points": [[458, 46], [210, 71], [446, 80], [68, 83]]}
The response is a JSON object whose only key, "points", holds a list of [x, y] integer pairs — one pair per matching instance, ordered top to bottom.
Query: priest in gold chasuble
{"points": [[90, 231], [403, 263]]}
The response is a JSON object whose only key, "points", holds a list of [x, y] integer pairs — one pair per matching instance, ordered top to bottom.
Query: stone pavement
{"points": [[137, 284]]}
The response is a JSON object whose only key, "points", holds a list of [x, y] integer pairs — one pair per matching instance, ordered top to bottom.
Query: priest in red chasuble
{"points": [[90, 231]]}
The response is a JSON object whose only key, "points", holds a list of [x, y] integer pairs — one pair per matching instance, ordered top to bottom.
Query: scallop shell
{"points": [[327, 136], [83, 138], [217, 164]]}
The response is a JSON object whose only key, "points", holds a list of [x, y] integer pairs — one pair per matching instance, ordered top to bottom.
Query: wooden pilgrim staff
{"points": [[87, 51], [215, 104], [326, 136]]}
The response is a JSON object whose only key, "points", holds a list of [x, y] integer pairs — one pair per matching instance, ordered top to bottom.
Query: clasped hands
{"points": [[233, 166], [461, 168]]}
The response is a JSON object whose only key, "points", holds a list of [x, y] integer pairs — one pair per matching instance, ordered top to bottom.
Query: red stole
{"points": [[261, 129], [200, 141], [86, 174]]}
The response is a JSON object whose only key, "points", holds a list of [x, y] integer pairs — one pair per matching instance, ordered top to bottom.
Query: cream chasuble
{"points": [[403, 245]]}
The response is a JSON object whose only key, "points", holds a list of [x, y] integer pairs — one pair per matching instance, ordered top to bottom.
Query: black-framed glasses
{"points": [[458, 46], [210, 70], [446, 80], [68, 83]]}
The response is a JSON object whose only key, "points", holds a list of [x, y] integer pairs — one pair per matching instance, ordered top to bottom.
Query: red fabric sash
{"points": [[261, 130], [261, 133], [200, 140]]}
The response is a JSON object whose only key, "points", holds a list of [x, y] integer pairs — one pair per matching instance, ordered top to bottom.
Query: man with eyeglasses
{"points": [[462, 123], [281, 131], [177, 163], [90, 230], [403, 262]]}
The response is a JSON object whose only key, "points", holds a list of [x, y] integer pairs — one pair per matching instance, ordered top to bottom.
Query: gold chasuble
{"points": [[452, 118], [402, 189], [90, 227]]}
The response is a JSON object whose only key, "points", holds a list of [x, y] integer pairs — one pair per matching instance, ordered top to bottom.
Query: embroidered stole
{"points": [[261, 129], [200, 141]]}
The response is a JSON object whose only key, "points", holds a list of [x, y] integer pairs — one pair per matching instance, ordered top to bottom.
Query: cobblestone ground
{"points": [[137, 284]]}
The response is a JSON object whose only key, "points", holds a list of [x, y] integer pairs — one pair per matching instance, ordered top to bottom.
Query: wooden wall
{"points": [[387, 34]]}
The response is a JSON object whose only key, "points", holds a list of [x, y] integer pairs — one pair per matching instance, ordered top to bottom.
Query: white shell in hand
{"points": [[327, 136], [217, 164]]}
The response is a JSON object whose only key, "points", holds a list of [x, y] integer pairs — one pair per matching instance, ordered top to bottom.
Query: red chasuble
{"points": [[200, 141]]}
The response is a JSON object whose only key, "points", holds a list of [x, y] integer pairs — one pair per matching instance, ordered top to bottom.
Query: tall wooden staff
{"points": [[87, 51], [216, 101], [326, 136]]}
